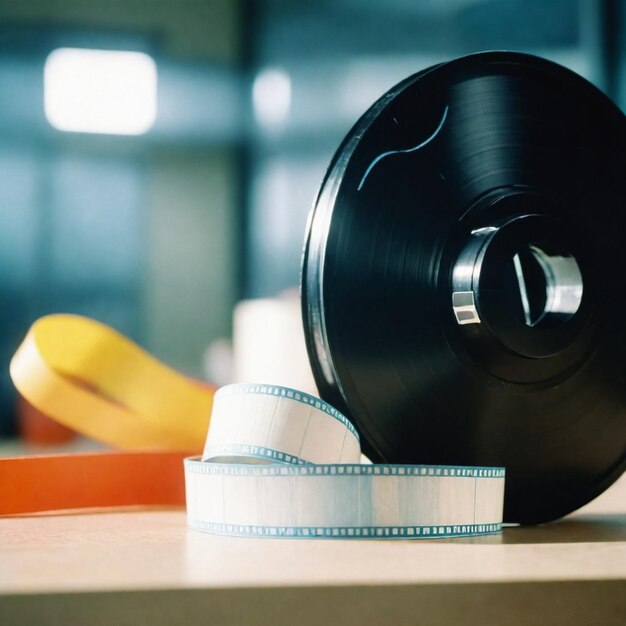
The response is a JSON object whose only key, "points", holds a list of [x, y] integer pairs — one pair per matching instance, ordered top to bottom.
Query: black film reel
{"points": [[464, 278]]}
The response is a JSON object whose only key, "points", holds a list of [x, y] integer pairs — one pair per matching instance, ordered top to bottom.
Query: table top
{"points": [[119, 567]]}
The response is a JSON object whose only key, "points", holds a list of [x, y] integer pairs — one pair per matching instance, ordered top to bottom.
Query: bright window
{"points": [[100, 91]]}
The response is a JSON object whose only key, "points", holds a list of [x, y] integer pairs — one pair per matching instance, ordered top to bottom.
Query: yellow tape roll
{"points": [[89, 377]]}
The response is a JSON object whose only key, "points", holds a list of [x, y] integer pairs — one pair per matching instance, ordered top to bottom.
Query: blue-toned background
{"points": [[160, 234]]}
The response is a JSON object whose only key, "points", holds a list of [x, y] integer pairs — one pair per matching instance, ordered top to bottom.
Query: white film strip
{"points": [[282, 463]]}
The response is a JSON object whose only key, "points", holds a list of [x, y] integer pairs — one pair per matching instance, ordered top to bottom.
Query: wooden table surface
{"points": [[146, 567]]}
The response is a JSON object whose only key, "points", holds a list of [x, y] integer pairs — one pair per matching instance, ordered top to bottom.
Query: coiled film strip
{"points": [[282, 463]]}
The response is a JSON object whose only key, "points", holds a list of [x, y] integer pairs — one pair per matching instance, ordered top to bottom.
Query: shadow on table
{"points": [[577, 529]]}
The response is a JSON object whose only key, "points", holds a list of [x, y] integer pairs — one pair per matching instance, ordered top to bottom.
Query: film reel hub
{"points": [[519, 277]]}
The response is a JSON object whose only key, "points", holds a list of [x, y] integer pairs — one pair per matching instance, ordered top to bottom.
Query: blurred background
{"points": [[158, 157]]}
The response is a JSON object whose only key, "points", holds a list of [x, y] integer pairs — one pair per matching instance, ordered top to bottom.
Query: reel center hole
{"points": [[549, 284]]}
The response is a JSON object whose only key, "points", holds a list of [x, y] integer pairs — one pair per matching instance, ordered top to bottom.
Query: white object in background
{"points": [[100, 91], [269, 345]]}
